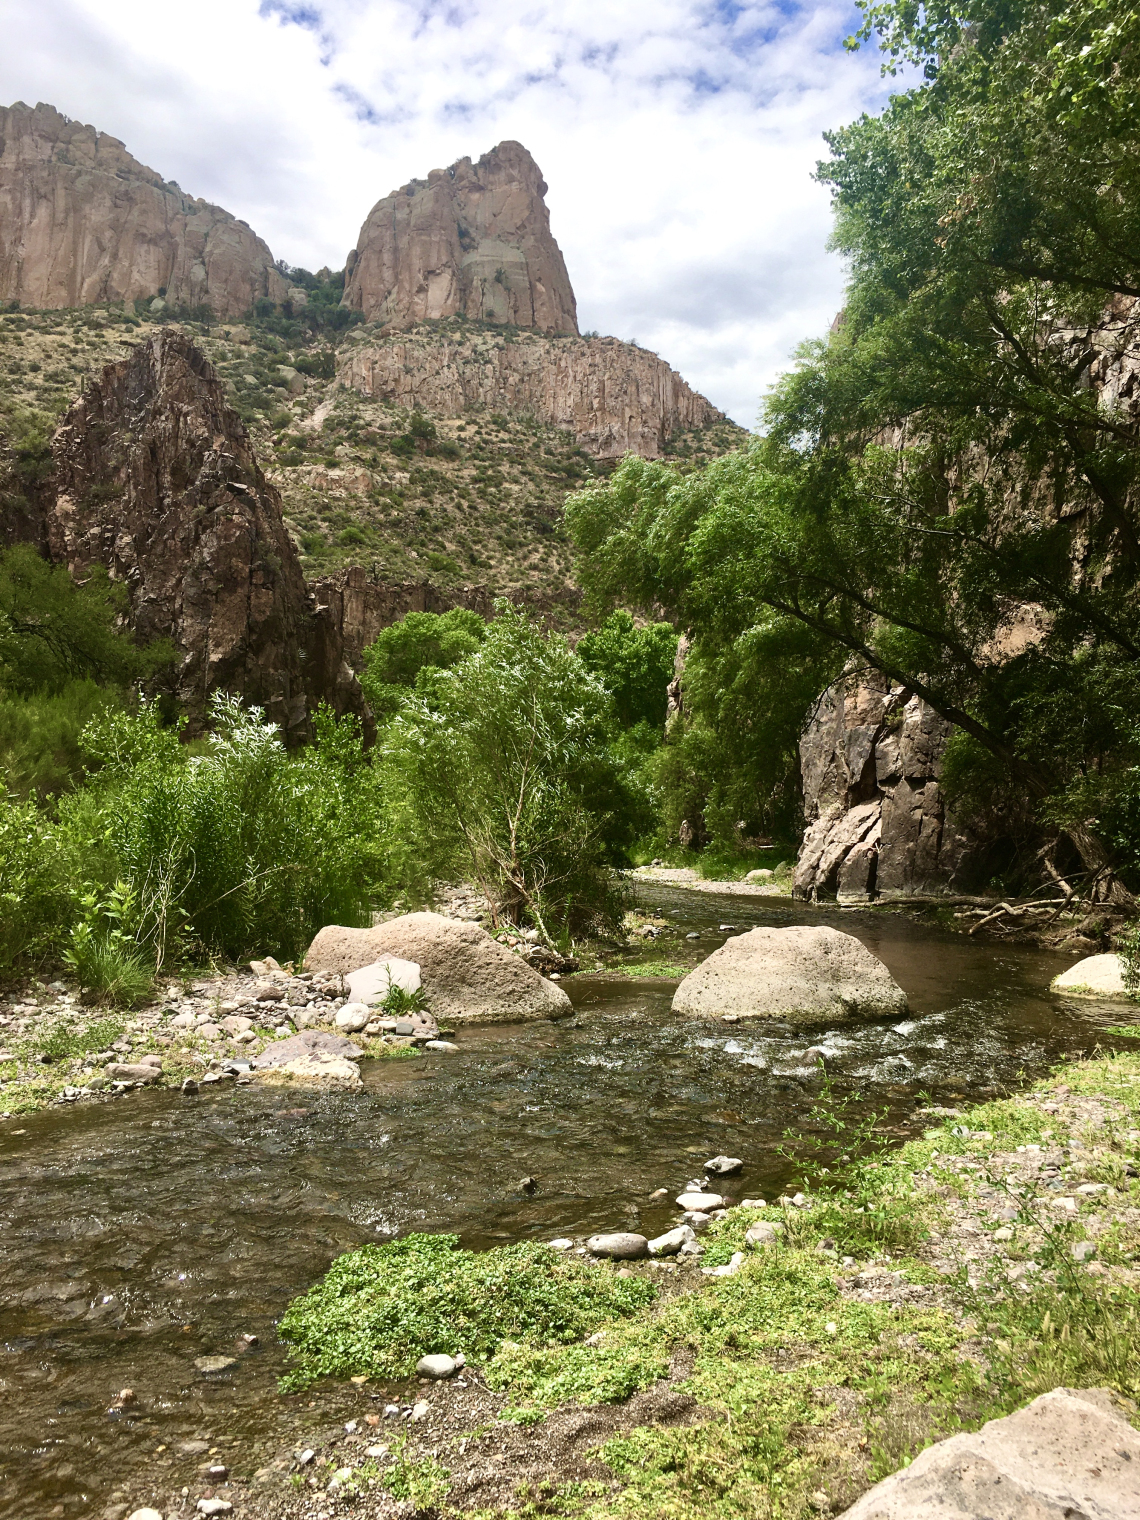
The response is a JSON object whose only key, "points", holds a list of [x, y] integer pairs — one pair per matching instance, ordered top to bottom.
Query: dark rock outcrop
{"points": [[81, 222], [473, 240], [156, 479], [356, 608], [877, 821]]}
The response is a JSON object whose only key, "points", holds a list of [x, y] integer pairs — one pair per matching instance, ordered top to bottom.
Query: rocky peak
{"points": [[81, 221], [473, 240], [155, 478]]}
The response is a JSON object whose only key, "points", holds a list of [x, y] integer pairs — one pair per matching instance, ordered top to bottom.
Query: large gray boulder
{"points": [[805, 974], [466, 975], [1097, 976], [1069, 1453]]}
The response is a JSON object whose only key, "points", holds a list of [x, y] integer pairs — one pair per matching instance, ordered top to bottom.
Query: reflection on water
{"points": [[141, 1234]]}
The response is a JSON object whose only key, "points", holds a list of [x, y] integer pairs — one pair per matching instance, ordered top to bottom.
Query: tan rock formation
{"points": [[81, 222], [473, 240], [614, 398], [156, 479]]}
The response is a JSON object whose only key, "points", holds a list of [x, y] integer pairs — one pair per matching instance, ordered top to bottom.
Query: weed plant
{"points": [[378, 1310]]}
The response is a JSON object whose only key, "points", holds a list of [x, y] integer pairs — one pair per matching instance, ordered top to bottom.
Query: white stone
{"points": [[1097, 976], [372, 984], [353, 1017], [700, 1203], [671, 1243], [561, 1244], [624, 1245], [730, 1268], [436, 1365], [214, 1507], [144, 1514]]}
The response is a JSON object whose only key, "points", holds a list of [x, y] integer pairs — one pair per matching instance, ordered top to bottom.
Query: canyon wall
{"points": [[82, 222], [473, 240], [614, 398], [155, 478]]}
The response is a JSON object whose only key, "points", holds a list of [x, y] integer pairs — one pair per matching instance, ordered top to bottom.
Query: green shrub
{"points": [[393, 661], [507, 774], [246, 847], [36, 902], [106, 961], [378, 1310]]}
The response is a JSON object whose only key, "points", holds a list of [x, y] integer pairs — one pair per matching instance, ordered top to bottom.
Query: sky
{"points": [[678, 137]]}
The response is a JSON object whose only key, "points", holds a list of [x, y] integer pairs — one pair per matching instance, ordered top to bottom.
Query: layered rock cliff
{"points": [[81, 222], [473, 240], [612, 396], [154, 477], [877, 821]]}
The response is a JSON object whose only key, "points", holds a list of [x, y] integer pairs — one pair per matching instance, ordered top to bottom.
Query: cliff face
{"points": [[81, 221], [473, 240], [612, 396], [155, 478], [871, 758]]}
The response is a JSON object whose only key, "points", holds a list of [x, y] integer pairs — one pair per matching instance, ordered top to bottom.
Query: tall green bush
{"points": [[503, 767], [245, 848]]}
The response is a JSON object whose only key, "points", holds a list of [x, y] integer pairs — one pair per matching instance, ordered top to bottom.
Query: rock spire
{"points": [[473, 240]]}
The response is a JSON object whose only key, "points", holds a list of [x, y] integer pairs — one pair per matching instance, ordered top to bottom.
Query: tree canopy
{"points": [[946, 491]]}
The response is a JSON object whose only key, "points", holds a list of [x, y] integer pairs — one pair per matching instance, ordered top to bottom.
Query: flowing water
{"points": [[138, 1235]]}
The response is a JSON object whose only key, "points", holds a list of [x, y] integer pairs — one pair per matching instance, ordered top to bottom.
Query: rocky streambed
{"points": [[151, 1242]]}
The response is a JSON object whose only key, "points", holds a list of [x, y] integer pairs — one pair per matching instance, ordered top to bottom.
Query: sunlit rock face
{"points": [[82, 222], [473, 240]]}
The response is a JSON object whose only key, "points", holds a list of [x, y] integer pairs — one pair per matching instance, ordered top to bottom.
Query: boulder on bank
{"points": [[465, 974], [804, 974], [1097, 976], [372, 984], [309, 1043], [1067, 1453]]}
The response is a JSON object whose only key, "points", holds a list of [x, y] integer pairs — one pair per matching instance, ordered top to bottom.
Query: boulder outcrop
{"points": [[82, 221], [473, 240], [614, 397], [155, 478], [877, 822], [465, 974], [803, 974], [1096, 976], [1069, 1453]]}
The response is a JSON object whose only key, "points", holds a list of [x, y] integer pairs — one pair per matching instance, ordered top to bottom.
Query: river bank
{"points": [[920, 1292]]}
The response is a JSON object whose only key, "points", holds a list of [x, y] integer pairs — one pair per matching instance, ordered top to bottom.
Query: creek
{"points": [[141, 1234]]}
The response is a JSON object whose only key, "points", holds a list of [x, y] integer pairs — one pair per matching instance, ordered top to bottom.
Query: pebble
{"points": [[727, 928], [692, 936], [353, 1017], [184, 1020], [237, 1024], [444, 1047], [189, 1087], [724, 1166], [658, 1194], [701, 1203], [753, 1203], [762, 1233], [1005, 1233], [671, 1242], [561, 1244], [623, 1245], [1083, 1250], [730, 1268], [214, 1363], [437, 1365], [421, 1410], [391, 1411], [376, 1451], [214, 1507], [144, 1514]]}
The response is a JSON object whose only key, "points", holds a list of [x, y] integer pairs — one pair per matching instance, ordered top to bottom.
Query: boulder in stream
{"points": [[804, 974], [466, 975], [1097, 976], [314, 1055]]}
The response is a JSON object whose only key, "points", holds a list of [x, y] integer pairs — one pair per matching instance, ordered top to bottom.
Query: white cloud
{"points": [[677, 136]]}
